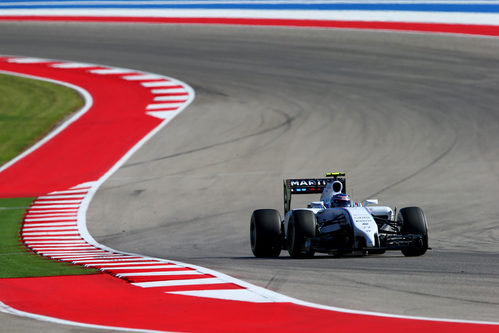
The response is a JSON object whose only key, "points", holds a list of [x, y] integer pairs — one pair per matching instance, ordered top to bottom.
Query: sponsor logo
{"points": [[308, 182]]}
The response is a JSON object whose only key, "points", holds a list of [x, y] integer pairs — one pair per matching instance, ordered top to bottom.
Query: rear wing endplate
{"points": [[311, 186]]}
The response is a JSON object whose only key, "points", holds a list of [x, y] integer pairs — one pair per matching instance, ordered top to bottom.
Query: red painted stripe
{"points": [[486, 30], [59, 164], [103, 300]]}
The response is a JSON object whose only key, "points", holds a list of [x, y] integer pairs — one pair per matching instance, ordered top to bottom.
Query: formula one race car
{"points": [[335, 225]]}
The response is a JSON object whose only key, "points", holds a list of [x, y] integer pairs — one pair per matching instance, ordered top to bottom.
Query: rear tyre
{"points": [[414, 222], [302, 225], [265, 233]]}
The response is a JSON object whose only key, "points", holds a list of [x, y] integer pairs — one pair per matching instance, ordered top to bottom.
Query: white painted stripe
{"points": [[338, 15], [27, 60], [72, 65], [108, 71], [142, 77], [159, 84], [166, 91], [180, 99], [163, 106], [163, 114], [83, 186], [68, 192], [68, 196], [48, 201], [55, 206], [53, 211], [36, 214], [61, 218], [30, 225], [25, 230], [48, 233], [29, 239], [56, 242], [48, 248], [77, 254], [73, 259], [110, 260], [116, 263], [143, 267], [186, 272], [187, 282], [227, 294]]}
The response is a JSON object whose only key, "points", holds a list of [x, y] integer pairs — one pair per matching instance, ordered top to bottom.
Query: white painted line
{"points": [[27, 60], [73, 65], [107, 71], [142, 77], [159, 84], [166, 91], [179, 99], [163, 106], [165, 115], [84, 186], [68, 192], [66, 196], [48, 201], [40, 207], [53, 211], [36, 214], [61, 218], [30, 225], [25, 230], [48, 233], [62, 242], [49, 248], [77, 253], [110, 260], [119, 263], [159, 265], [186, 272], [170, 283], [227, 294]]}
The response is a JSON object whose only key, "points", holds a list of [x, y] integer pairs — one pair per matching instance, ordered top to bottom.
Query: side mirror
{"points": [[370, 202]]}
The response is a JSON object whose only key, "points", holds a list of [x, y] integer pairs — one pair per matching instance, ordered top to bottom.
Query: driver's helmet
{"points": [[340, 200]]}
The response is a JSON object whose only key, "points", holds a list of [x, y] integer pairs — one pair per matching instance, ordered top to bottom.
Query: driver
{"points": [[340, 200]]}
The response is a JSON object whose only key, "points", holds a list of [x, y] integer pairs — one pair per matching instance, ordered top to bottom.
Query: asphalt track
{"points": [[412, 118]]}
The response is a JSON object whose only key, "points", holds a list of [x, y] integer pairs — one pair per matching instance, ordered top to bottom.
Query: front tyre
{"points": [[414, 222], [302, 225], [265, 233]]}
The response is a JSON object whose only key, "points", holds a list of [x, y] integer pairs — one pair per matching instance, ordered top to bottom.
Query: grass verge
{"points": [[29, 109], [15, 259]]}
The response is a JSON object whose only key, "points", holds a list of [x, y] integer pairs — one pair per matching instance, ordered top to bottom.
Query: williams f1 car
{"points": [[335, 225]]}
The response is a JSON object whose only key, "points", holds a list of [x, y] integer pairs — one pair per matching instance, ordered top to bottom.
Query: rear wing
{"points": [[311, 186]]}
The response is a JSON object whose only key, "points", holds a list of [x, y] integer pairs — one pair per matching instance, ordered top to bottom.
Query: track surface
{"points": [[413, 119]]}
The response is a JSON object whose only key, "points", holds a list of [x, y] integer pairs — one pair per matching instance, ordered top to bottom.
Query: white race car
{"points": [[335, 225]]}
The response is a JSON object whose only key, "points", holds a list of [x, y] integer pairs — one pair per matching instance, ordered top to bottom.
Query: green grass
{"points": [[29, 109], [18, 261]]}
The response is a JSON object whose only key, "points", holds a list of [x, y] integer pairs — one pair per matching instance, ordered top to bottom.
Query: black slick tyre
{"points": [[414, 222], [302, 225], [265, 233]]}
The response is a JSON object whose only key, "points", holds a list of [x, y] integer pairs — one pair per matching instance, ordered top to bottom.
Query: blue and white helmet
{"points": [[340, 200]]}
